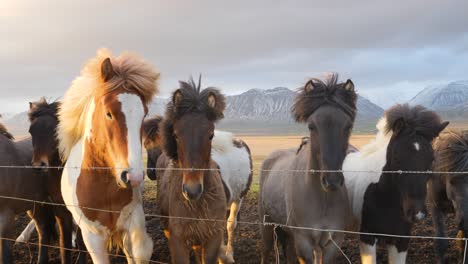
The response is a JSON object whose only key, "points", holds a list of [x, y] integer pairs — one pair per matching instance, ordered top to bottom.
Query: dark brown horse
{"points": [[44, 121], [232, 155], [21, 183], [187, 188], [290, 193], [448, 193]]}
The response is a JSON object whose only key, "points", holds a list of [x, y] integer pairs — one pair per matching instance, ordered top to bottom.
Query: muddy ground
{"points": [[247, 242]]}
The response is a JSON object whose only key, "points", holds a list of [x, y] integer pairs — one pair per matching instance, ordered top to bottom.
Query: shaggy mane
{"points": [[131, 74], [193, 99], [306, 102], [43, 108], [418, 118], [4, 132], [451, 152]]}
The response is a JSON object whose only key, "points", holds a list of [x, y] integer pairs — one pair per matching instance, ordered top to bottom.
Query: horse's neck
{"points": [[387, 185]]}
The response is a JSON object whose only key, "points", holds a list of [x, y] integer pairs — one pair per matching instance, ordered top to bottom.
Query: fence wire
{"points": [[258, 223]]}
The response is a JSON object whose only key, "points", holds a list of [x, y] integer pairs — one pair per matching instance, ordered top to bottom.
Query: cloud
{"points": [[236, 45]]}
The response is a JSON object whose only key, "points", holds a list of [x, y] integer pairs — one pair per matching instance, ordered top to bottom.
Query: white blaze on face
{"points": [[133, 110], [416, 146]]}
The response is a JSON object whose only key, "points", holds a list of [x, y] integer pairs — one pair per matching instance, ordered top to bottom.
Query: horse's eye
{"points": [[109, 115], [311, 127], [211, 136]]}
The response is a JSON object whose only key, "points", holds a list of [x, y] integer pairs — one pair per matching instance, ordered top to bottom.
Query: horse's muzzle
{"points": [[40, 166], [131, 179], [332, 185], [192, 191]]}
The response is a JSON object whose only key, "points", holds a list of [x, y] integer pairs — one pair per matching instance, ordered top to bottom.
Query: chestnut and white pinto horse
{"points": [[100, 136]]}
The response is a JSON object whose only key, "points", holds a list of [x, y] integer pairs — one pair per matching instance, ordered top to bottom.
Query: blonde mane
{"points": [[131, 73], [382, 138]]}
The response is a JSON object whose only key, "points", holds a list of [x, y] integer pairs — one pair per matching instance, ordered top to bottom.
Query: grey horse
{"points": [[291, 194]]}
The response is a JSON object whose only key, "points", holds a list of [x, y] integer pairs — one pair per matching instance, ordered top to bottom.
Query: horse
{"points": [[43, 125], [100, 137], [230, 154], [386, 181], [21, 183], [191, 186], [448, 193], [292, 194]]}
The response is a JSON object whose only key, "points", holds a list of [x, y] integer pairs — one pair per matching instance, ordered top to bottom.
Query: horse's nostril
{"points": [[43, 164], [124, 176]]}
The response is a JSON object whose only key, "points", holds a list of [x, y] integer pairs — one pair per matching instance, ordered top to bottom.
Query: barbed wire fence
{"points": [[256, 223]]}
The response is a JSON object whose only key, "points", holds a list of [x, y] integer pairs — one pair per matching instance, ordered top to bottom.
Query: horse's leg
{"points": [[45, 224], [65, 224], [231, 227], [7, 228], [27, 232], [268, 233], [141, 243], [97, 245], [440, 245], [367, 247], [211, 250], [331, 250], [305, 251], [180, 253], [397, 253], [82, 255], [318, 255]]}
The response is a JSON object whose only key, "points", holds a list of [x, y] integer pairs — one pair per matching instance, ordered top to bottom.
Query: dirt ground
{"points": [[247, 241]]}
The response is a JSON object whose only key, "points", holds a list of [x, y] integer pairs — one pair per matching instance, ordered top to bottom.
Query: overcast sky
{"points": [[390, 49]]}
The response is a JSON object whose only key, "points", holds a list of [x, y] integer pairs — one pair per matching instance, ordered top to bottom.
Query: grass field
{"points": [[262, 146]]}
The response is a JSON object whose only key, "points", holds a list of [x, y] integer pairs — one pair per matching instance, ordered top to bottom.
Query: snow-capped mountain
{"points": [[443, 97], [275, 104]]}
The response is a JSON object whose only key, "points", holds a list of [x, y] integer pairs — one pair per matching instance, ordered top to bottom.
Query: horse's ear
{"points": [[107, 70], [349, 86], [309, 87], [177, 97], [212, 100], [31, 105], [443, 126]]}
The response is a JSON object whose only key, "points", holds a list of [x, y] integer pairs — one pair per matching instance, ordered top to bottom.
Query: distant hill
{"points": [[450, 100], [252, 112], [269, 112]]}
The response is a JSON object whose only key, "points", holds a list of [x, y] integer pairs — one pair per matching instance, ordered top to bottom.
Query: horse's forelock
{"points": [[308, 100], [416, 118]]}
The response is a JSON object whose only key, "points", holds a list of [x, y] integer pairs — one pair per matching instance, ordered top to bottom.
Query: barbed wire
{"points": [[216, 169], [258, 223], [350, 232], [75, 249]]}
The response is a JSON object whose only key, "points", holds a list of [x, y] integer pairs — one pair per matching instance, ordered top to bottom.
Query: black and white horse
{"points": [[389, 203]]}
